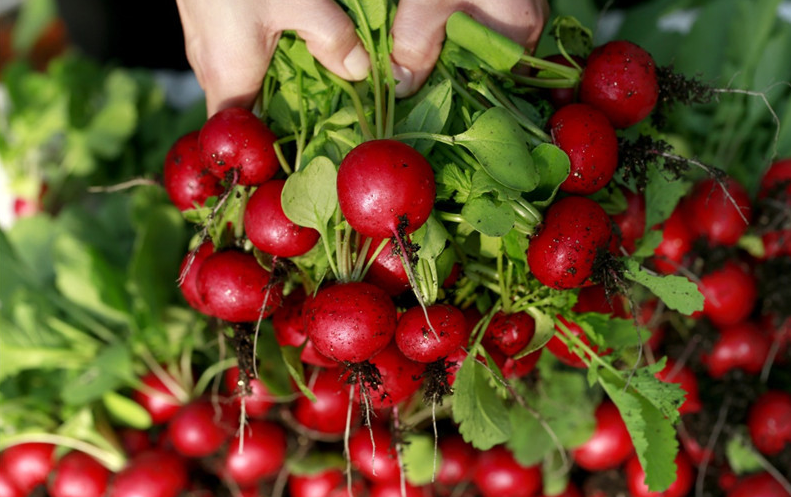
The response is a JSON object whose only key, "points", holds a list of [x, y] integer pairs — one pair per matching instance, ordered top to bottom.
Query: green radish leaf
{"points": [[375, 12], [572, 35], [493, 48], [300, 56], [429, 115], [498, 142], [553, 167], [453, 182], [482, 182], [309, 196], [661, 196], [489, 216], [431, 237], [647, 244], [515, 246], [677, 292], [545, 330], [608, 331], [291, 358], [110, 369], [477, 408], [126, 411], [652, 430], [742, 456], [418, 459], [315, 462], [554, 475]]}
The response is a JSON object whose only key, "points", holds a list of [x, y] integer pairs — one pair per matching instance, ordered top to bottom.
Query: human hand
{"points": [[419, 31], [230, 46]]}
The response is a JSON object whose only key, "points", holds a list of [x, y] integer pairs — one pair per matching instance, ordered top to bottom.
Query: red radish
{"points": [[620, 80], [563, 96], [589, 140], [235, 144], [777, 176], [187, 180], [385, 188], [712, 212], [631, 222], [269, 229], [676, 244], [562, 254], [387, 269], [188, 281], [234, 287], [730, 294], [594, 298], [350, 322], [289, 325], [509, 332], [419, 342], [741, 346], [566, 354], [519, 368], [674, 372], [401, 377], [160, 402], [257, 402], [327, 414], [768, 422], [196, 431], [134, 441], [609, 446], [263, 455], [457, 458], [377, 462], [27, 465], [156, 473], [497, 474], [78, 475], [685, 477], [318, 484], [761, 484], [7, 486], [394, 489], [571, 490]]}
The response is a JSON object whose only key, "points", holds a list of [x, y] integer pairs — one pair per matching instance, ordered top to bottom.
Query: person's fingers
{"points": [[419, 31], [329, 34], [228, 49]]}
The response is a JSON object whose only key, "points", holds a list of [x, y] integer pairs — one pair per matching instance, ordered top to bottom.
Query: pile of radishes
{"points": [[382, 293]]}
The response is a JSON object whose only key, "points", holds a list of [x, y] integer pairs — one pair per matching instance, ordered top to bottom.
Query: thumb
{"points": [[418, 32], [330, 36]]}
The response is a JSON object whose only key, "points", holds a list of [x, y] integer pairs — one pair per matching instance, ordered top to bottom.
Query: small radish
{"points": [[620, 80], [563, 96], [589, 140], [235, 144], [776, 177], [187, 180], [385, 188], [720, 213], [631, 222], [269, 229], [677, 239], [561, 255], [387, 269], [188, 279], [234, 287], [730, 294], [594, 298], [350, 322], [289, 325], [509, 332], [419, 342], [743, 346], [519, 368], [400, 377], [160, 402], [257, 402], [327, 414], [767, 421], [194, 432], [609, 446], [263, 456], [457, 458], [377, 461], [28, 464], [155, 473], [497, 473], [685, 477], [315, 484], [761, 484], [395, 489]]}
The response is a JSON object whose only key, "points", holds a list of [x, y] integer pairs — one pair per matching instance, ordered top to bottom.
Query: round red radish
{"points": [[620, 80], [563, 96], [589, 140], [237, 145], [777, 176], [187, 180], [385, 188], [720, 213], [631, 222], [268, 228], [676, 244], [562, 254], [387, 269], [188, 281], [234, 287], [730, 294], [594, 298], [350, 322], [289, 325], [510, 332], [428, 341], [741, 346], [519, 368], [674, 372], [400, 377], [257, 401], [160, 402], [327, 414], [768, 422], [196, 430], [134, 441], [609, 446], [264, 453], [457, 458], [376, 461], [27, 465], [156, 473], [497, 474], [78, 475], [685, 477], [318, 484], [761, 484], [7, 486], [394, 489]]}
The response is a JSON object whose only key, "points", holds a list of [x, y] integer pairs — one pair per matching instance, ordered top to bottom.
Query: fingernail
{"points": [[357, 63], [403, 77]]}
